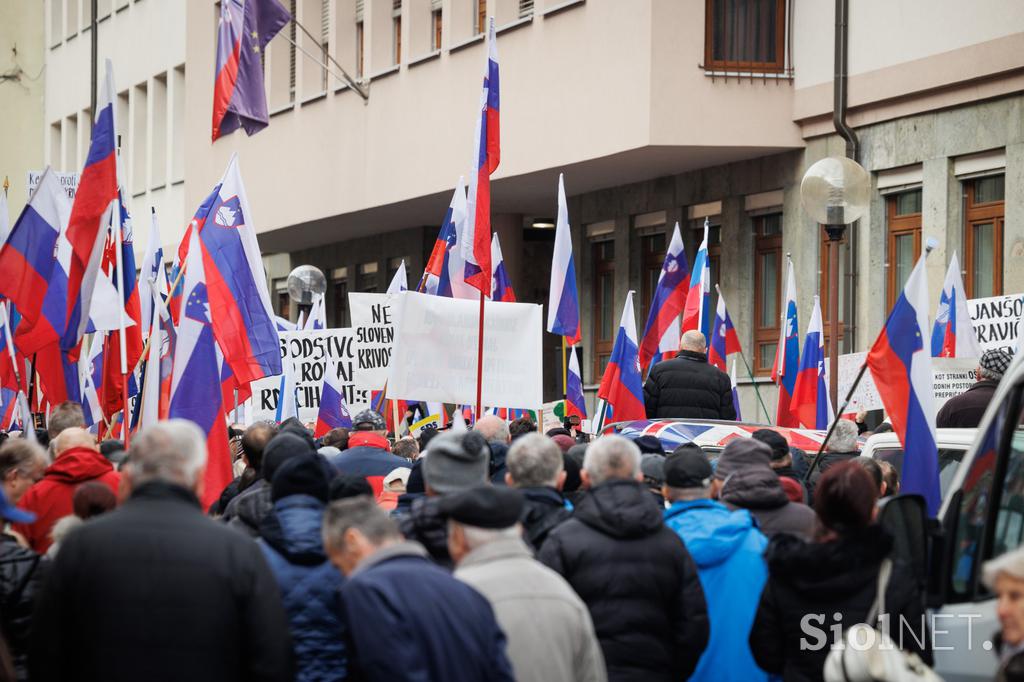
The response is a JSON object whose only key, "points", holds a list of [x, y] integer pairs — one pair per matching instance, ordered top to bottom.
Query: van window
{"points": [[949, 461], [977, 491], [1009, 531]]}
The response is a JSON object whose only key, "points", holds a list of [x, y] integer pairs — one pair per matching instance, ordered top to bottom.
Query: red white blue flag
{"points": [[243, 33], [476, 248], [446, 269], [400, 282], [501, 287], [563, 301], [696, 312], [953, 334], [661, 335], [724, 340], [787, 356], [901, 365], [621, 386], [735, 392], [811, 402], [575, 403], [333, 412]]}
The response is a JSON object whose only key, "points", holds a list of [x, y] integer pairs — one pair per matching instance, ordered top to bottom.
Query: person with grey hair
{"points": [[687, 386], [966, 410], [64, 416], [493, 428], [841, 447], [22, 464], [536, 466], [633, 573], [1004, 576], [164, 577], [408, 619], [550, 634]]}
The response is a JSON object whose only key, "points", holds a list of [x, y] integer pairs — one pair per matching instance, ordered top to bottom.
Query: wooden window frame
{"points": [[481, 16], [436, 22], [396, 29], [360, 48], [777, 66], [993, 212], [898, 226], [651, 263], [823, 292], [766, 331], [601, 346]]}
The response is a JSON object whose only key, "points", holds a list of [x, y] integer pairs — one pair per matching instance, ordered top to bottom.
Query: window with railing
{"points": [[745, 35]]}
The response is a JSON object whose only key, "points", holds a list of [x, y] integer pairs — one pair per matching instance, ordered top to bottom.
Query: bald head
{"points": [[693, 341], [493, 427], [75, 437]]}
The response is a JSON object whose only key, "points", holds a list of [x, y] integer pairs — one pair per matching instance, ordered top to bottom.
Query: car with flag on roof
{"points": [[710, 434]]}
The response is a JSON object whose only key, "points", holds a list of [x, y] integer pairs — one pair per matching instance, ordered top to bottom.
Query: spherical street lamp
{"points": [[835, 192], [305, 283]]}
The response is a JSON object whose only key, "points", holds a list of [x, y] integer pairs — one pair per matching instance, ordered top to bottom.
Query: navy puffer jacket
{"points": [[310, 586]]}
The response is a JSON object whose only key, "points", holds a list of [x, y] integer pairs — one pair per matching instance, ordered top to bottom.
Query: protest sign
{"points": [[69, 181], [995, 320], [373, 324], [435, 352], [311, 353], [951, 376], [866, 397]]}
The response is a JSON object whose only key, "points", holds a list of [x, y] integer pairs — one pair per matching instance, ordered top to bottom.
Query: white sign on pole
{"points": [[69, 181], [374, 319], [995, 320], [435, 352], [311, 353], [951, 376]]}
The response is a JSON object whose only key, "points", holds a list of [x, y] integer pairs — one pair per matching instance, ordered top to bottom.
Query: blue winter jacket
{"points": [[728, 550], [310, 587]]}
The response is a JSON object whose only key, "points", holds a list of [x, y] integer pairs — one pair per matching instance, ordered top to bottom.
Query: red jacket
{"points": [[50, 498]]}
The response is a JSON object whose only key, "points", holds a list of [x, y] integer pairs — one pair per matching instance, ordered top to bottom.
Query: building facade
{"points": [[657, 111]]}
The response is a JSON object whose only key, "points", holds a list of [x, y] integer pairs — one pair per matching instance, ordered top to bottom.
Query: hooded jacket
{"points": [[688, 387], [369, 455], [758, 490], [50, 498], [248, 509], [543, 510], [425, 524], [727, 548], [22, 574], [637, 580], [810, 582], [310, 586]]}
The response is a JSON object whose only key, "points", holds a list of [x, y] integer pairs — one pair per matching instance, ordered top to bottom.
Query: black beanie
{"points": [[281, 447], [299, 475], [349, 485]]}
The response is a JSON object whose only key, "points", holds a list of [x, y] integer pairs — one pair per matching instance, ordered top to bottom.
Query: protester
{"points": [[687, 386], [966, 410], [64, 416], [520, 427], [493, 428], [337, 438], [254, 441], [841, 447], [407, 448], [369, 452], [78, 460], [455, 462], [22, 464], [782, 464], [536, 467], [652, 467], [874, 470], [891, 478], [744, 480], [343, 486], [572, 487], [394, 488], [89, 501], [246, 511], [290, 537], [727, 548], [22, 573], [633, 573], [1004, 576], [817, 589], [155, 590], [408, 619], [550, 634]]}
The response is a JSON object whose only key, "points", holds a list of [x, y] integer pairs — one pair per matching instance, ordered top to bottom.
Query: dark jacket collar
{"points": [[692, 356], [164, 490], [544, 495], [404, 549]]}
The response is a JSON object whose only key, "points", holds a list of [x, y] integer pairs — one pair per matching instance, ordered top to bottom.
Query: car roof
{"points": [[711, 432], [943, 438]]}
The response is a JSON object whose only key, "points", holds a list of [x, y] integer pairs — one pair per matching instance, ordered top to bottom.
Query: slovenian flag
{"points": [[476, 248], [445, 271], [400, 282], [501, 287], [698, 298], [563, 301], [953, 334], [661, 335], [724, 340], [787, 356], [901, 365], [621, 386], [811, 402], [575, 404], [333, 412]]}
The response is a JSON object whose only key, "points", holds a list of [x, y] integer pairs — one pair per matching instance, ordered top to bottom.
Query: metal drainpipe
{"points": [[839, 105]]}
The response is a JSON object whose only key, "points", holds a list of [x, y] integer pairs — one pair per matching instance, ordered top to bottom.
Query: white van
{"points": [[953, 445]]}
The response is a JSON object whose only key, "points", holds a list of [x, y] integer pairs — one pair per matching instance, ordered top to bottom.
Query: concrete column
{"points": [[938, 188], [1013, 225], [509, 227], [622, 269]]}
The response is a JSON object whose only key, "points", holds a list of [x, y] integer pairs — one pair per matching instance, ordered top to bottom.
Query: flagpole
{"points": [[347, 78], [118, 244], [6, 321], [145, 347], [480, 361], [565, 372], [753, 383], [835, 420]]}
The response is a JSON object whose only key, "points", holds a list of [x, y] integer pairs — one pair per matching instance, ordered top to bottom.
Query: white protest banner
{"points": [[69, 181], [995, 320], [373, 322], [435, 352], [311, 353], [951, 376]]}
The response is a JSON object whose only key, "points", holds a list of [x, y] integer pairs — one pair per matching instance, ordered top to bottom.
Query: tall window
{"points": [[525, 8], [481, 16], [435, 30], [396, 31], [745, 35], [325, 38], [359, 49], [983, 236], [904, 243], [652, 249], [367, 279], [768, 289], [823, 290], [339, 292], [281, 298], [604, 305]]}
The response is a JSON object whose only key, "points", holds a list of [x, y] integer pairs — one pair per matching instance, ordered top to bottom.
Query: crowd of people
{"points": [[495, 553]]}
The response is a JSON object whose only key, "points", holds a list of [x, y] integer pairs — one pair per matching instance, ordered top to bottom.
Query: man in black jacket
{"points": [[687, 386], [966, 410], [536, 467], [633, 573], [156, 590]]}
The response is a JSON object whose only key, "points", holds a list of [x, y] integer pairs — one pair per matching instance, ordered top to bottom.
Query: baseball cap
{"points": [[369, 420], [687, 467]]}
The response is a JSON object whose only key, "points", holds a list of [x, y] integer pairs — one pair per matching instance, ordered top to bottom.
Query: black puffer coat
{"points": [[688, 387], [758, 490], [248, 509], [543, 511], [425, 524], [21, 575], [637, 579], [823, 579]]}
